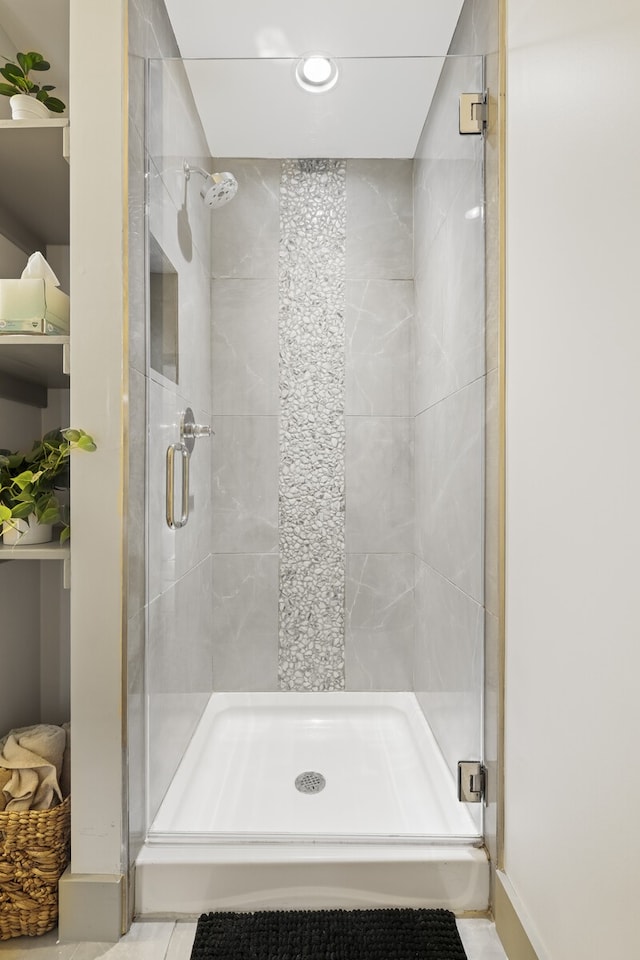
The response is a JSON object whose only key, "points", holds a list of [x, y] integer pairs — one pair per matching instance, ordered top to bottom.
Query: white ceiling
{"points": [[291, 28], [250, 104], [255, 108]]}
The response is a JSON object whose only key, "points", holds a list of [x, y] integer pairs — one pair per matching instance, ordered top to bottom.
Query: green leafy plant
{"points": [[18, 81], [28, 480]]}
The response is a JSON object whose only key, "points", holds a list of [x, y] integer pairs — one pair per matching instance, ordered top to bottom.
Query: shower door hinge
{"points": [[473, 112], [472, 781]]}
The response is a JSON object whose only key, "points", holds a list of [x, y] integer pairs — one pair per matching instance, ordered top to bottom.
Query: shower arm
{"points": [[188, 170]]}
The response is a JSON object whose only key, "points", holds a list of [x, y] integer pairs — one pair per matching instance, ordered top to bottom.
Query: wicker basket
{"points": [[34, 851]]}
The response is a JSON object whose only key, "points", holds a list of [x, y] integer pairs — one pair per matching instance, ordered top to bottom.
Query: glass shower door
{"points": [[331, 329]]}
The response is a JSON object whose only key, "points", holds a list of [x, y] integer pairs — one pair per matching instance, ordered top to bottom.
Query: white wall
{"points": [[97, 402], [572, 843]]}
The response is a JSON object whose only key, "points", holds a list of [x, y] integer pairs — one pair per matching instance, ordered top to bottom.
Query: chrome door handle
{"points": [[190, 431], [172, 449]]}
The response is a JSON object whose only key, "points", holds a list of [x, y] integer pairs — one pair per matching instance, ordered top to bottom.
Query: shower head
{"points": [[217, 188], [220, 188]]}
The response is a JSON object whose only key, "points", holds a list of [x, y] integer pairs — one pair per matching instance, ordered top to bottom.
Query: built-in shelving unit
{"points": [[34, 202]]}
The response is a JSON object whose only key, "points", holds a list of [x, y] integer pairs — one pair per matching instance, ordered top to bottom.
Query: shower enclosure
{"points": [[314, 642]]}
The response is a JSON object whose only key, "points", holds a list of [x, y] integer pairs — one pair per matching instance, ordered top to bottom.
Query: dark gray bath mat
{"points": [[328, 935]]}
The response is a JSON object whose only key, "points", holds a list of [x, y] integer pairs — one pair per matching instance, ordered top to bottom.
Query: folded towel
{"points": [[33, 755], [5, 776]]}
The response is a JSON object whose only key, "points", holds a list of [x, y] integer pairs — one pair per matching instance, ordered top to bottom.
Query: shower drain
{"points": [[310, 782]]}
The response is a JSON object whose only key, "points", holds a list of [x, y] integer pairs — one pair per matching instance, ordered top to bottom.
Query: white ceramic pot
{"points": [[24, 107], [27, 531]]}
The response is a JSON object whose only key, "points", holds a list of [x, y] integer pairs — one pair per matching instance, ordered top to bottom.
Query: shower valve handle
{"points": [[196, 430], [190, 431]]}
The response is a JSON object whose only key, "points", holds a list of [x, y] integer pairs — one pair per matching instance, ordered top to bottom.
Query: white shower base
{"points": [[387, 828]]}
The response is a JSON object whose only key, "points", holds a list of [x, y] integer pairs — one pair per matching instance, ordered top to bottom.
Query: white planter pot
{"points": [[27, 108], [27, 531]]}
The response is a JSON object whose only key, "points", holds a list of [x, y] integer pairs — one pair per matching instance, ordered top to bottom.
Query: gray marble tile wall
{"points": [[379, 220], [246, 233], [245, 238], [245, 346], [379, 348], [449, 398], [376, 405], [379, 425], [379, 472], [245, 485], [449, 528], [168, 575], [245, 621], [379, 621], [450, 665], [179, 670]]}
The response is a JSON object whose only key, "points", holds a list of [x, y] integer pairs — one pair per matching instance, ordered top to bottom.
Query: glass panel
{"points": [[315, 649]]}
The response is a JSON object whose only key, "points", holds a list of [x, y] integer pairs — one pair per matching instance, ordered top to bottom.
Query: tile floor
{"points": [[173, 941]]}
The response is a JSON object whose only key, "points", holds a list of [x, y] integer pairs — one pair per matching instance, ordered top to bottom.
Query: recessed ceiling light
{"points": [[316, 73]]}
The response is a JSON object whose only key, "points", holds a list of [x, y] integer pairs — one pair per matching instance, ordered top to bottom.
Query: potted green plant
{"points": [[29, 100], [28, 482]]}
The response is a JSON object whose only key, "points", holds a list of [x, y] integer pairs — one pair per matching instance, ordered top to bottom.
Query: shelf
{"points": [[49, 123], [34, 190], [38, 359], [29, 365], [34, 551], [39, 551]]}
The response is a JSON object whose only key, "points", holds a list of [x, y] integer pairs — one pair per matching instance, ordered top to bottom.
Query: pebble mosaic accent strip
{"points": [[312, 432]]}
